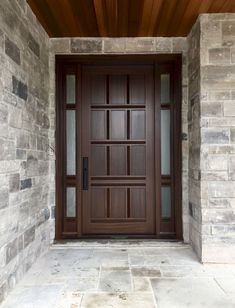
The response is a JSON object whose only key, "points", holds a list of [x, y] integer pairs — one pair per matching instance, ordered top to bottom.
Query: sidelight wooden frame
{"points": [[161, 64]]}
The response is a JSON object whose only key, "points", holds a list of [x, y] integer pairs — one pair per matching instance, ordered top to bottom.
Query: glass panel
{"points": [[165, 88], [70, 89], [165, 142], [71, 145], [71, 202], [166, 202]]}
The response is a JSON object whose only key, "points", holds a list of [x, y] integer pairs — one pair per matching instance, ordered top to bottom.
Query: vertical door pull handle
{"points": [[85, 173]]}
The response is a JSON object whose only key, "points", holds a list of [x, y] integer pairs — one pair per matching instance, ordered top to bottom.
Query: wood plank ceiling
{"points": [[123, 18]]}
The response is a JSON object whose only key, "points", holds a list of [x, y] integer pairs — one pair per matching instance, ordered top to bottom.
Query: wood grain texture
{"points": [[123, 18]]}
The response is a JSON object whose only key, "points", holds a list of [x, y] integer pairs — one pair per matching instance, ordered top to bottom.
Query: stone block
{"points": [[228, 28], [179, 44], [33, 45], [60, 45], [114, 45], [140, 45], [163, 45], [88, 46], [12, 51], [219, 56], [214, 77], [19, 88], [219, 95], [229, 108], [211, 109], [3, 113], [15, 118], [42, 119], [232, 135], [215, 136], [22, 140], [7, 149], [20, 154], [217, 162], [31, 166], [232, 167], [14, 182], [27, 183], [221, 189], [4, 200], [46, 213], [29, 236], [11, 250], [3, 291]]}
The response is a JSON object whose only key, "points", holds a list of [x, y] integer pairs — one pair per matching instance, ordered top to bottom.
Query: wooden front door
{"points": [[118, 147], [118, 150]]}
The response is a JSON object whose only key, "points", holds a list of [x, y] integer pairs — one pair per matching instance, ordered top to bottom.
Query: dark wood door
{"points": [[118, 146], [118, 150]]}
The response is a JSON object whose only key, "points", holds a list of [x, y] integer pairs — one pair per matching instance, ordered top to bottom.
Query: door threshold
{"points": [[117, 243]]}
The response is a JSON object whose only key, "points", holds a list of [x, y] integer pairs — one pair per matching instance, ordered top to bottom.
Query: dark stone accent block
{"points": [[34, 46], [86, 46], [12, 51], [19, 88], [184, 136], [20, 154], [14, 182], [27, 183], [46, 213], [29, 236], [11, 250]]}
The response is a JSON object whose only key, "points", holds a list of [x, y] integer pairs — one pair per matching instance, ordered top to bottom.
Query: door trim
{"points": [[157, 61]]}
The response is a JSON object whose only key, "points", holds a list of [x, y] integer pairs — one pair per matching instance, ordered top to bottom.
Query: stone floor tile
{"points": [[153, 260], [174, 271], [145, 272], [115, 281], [79, 284], [141, 284], [227, 284], [189, 292], [34, 297], [69, 300], [118, 300]]}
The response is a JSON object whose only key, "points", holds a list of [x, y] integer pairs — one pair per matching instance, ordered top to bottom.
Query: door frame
{"points": [[160, 63]]}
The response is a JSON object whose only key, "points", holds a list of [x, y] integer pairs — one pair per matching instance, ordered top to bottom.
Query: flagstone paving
{"points": [[129, 274]]}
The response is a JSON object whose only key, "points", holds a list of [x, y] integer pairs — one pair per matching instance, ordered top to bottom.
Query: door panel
{"points": [[119, 136]]}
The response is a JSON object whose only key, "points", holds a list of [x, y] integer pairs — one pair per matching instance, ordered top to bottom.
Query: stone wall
{"points": [[75, 46], [217, 61], [194, 138], [24, 142]]}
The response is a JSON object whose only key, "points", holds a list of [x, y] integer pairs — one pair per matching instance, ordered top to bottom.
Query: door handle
{"points": [[85, 173]]}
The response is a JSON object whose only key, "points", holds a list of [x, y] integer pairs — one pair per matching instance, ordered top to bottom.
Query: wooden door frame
{"points": [[157, 61]]}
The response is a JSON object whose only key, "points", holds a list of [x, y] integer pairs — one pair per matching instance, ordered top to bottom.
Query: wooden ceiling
{"points": [[123, 18]]}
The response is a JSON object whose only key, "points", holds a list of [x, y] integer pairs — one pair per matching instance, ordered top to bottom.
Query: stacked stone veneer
{"points": [[121, 46], [217, 123], [25, 134], [212, 137], [194, 187]]}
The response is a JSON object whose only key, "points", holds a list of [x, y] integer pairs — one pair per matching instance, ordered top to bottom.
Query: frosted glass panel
{"points": [[165, 88], [70, 89], [165, 142], [71, 148], [71, 202], [166, 202]]}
